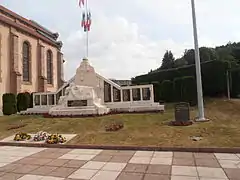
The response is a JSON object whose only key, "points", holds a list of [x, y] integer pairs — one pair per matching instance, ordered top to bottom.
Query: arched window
{"points": [[26, 61], [49, 67]]}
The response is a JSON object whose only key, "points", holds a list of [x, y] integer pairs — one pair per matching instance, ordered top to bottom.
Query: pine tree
{"points": [[168, 60]]}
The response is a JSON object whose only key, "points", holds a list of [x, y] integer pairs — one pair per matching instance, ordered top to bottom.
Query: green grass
{"points": [[142, 129]]}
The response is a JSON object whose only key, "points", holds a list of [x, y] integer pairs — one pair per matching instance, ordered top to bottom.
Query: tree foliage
{"points": [[168, 60]]}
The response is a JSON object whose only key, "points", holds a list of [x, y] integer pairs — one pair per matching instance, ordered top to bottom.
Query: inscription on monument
{"points": [[77, 103], [182, 112]]}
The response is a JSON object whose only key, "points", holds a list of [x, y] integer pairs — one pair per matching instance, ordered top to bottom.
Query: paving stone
{"points": [[85, 151], [109, 152], [124, 153], [144, 153], [163, 154], [47, 155], [183, 155], [204, 155], [69, 156], [226, 156], [85, 157], [103, 158], [121, 159], [26, 160], [140, 160], [163, 161], [183, 161], [58, 162], [207, 163], [230, 163], [74, 164], [93, 165], [114, 166], [10, 167], [138, 168], [24, 169], [159, 169], [43, 170], [184, 171], [62, 172], [208, 172], [2, 173], [83, 174], [232, 174], [106, 175], [11, 176], [130, 176], [31, 177], [156, 177], [52, 178], [184, 178]]}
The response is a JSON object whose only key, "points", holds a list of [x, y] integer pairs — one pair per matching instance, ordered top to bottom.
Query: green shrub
{"points": [[213, 76], [235, 81], [177, 89], [156, 90], [189, 90], [166, 91], [23, 101], [31, 101], [9, 104]]}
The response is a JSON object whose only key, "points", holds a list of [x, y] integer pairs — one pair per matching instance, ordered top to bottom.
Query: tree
{"points": [[168, 60]]}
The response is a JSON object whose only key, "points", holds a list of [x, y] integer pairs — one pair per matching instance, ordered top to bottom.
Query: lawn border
{"points": [[139, 148]]}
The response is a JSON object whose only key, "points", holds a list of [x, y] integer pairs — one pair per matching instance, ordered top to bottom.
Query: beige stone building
{"points": [[30, 56]]}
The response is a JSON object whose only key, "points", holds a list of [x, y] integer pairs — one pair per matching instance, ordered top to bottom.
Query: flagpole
{"points": [[87, 31]]}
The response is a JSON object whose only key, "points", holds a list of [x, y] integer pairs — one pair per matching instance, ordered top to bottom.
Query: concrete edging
{"points": [[139, 148]]}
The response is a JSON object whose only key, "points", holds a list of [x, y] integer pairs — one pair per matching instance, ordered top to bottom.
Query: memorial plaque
{"points": [[77, 103], [182, 112]]}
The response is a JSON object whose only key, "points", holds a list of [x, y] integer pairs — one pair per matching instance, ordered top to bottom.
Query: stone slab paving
{"points": [[28, 163]]}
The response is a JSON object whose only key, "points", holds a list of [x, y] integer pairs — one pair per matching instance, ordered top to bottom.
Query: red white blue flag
{"points": [[81, 3]]}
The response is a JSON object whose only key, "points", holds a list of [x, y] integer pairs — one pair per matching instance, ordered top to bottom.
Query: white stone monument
{"points": [[88, 93]]}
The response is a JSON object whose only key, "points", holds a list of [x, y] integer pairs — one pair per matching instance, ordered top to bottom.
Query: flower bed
{"points": [[114, 126], [40, 136], [22, 137], [55, 139]]}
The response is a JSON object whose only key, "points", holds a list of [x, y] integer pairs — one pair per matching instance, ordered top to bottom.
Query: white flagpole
{"points": [[87, 30], [201, 116]]}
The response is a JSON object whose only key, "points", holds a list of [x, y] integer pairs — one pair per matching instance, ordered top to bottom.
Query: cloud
{"points": [[129, 38], [117, 49]]}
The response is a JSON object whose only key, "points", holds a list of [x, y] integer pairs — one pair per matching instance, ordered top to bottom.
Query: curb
{"points": [[139, 148]]}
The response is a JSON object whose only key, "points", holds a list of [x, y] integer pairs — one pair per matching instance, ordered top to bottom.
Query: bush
{"points": [[213, 76], [235, 76], [177, 89], [156, 90], [189, 90], [166, 91], [23, 101], [31, 101], [9, 104]]}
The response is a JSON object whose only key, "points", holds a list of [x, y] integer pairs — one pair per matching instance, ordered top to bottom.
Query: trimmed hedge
{"points": [[213, 76], [235, 82], [177, 86], [189, 90], [166, 91], [23, 101], [9, 104]]}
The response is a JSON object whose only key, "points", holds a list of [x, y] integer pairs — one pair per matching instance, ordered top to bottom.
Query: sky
{"points": [[129, 37]]}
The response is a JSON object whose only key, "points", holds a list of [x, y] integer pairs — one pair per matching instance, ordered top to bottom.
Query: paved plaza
{"points": [[28, 163]]}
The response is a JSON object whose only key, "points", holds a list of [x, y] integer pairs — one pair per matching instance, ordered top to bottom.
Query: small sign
{"points": [[77, 103], [182, 112]]}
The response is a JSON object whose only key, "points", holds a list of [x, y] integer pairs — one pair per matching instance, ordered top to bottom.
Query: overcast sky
{"points": [[129, 37]]}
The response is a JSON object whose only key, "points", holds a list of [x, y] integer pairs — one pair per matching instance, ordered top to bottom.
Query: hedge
{"points": [[213, 76], [235, 82], [177, 89], [189, 90], [166, 91], [23, 101], [9, 104]]}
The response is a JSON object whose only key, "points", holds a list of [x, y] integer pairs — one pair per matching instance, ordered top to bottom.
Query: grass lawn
{"points": [[142, 129]]}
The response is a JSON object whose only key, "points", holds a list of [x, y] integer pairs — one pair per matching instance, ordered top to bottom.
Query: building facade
{"points": [[30, 56]]}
